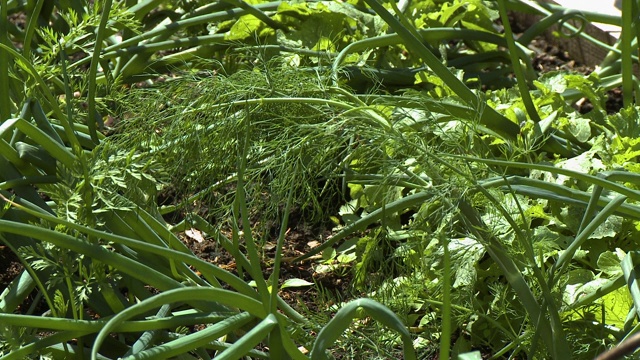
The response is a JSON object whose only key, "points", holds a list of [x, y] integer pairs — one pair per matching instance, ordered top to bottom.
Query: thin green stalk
{"points": [[144, 7], [257, 13], [558, 17], [185, 23], [32, 25], [435, 34], [626, 37], [166, 45], [516, 65], [68, 92], [49, 98], [5, 99], [275, 100], [370, 112], [488, 117], [92, 119], [591, 179], [28, 181], [539, 189], [591, 208], [373, 217], [252, 250], [278, 256], [563, 261], [629, 265], [209, 271], [602, 290], [186, 294], [548, 309], [552, 331], [551, 335], [445, 337], [252, 338], [190, 342], [28, 350]]}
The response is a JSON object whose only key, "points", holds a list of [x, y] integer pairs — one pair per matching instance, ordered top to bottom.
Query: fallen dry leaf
{"points": [[195, 234]]}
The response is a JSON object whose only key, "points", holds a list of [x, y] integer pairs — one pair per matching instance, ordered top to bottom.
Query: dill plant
{"points": [[193, 127], [424, 182]]}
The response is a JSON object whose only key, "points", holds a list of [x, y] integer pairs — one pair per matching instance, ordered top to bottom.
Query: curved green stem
{"points": [[516, 66], [488, 117]]}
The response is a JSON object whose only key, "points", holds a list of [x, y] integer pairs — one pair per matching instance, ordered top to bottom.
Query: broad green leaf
{"points": [[294, 9], [367, 24], [247, 27], [552, 81], [580, 128], [609, 229], [465, 254], [609, 263], [580, 285], [617, 305]]}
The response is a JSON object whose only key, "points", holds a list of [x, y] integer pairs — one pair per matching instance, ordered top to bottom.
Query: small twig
{"points": [[624, 348]]}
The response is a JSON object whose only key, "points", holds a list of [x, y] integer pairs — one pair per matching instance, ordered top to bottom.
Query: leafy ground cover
{"points": [[312, 179]]}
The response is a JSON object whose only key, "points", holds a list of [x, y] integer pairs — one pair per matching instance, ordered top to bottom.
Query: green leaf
{"points": [[296, 10], [247, 27], [552, 81], [7, 125], [580, 128], [608, 229], [465, 254], [609, 263], [295, 283], [580, 285], [617, 305], [474, 355]]}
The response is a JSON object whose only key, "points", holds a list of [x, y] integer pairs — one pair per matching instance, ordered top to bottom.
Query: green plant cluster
{"points": [[479, 212]]}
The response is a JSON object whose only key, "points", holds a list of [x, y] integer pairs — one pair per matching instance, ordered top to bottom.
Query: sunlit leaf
{"points": [[295, 283]]}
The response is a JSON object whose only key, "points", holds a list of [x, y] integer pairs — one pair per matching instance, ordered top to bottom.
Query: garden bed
{"points": [[442, 198]]}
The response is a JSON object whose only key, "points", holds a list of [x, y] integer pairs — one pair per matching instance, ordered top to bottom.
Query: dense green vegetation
{"points": [[480, 214]]}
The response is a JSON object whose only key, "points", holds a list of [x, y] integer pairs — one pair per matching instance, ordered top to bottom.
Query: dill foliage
{"points": [[196, 127]]}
